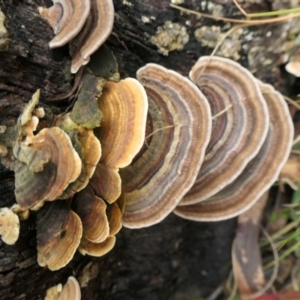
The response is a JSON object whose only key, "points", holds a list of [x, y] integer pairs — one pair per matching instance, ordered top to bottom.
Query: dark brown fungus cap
{"points": [[67, 18], [95, 32], [124, 107], [179, 127], [238, 133], [259, 174], [48, 181], [106, 183], [92, 212], [9, 226], [59, 231], [97, 250], [71, 290]]}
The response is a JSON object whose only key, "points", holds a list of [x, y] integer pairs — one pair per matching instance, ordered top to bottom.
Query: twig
{"points": [[237, 21], [222, 112]]}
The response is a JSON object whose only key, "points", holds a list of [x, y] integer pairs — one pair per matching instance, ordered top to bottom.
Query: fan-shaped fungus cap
{"points": [[67, 18], [95, 32], [293, 67], [124, 106], [179, 126], [238, 133], [91, 153], [290, 172], [259, 174], [46, 181], [106, 183], [92, 212], [114, 216], [9, 226], [59, 232], [97, 250], [71, 290]]}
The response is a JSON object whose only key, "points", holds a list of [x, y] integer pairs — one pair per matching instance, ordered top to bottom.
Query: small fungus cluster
{"points": [[85, 23], [68, 170]]}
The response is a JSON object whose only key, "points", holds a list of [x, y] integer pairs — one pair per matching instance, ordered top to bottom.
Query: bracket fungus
{"points": [[67, 18], [90, 22], [95, 32], [124, 106], [178, 130], [238, 133], [44, 163], [259, 174], [49, 182], [106, 183], [92, 212], [9, 226], [59, 231], [96, 249], [70, 291]]}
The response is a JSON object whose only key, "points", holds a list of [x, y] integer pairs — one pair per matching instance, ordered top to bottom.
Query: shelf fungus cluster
{"points": [[86, 24], [214, 144], [133, 151], [68, 171]]}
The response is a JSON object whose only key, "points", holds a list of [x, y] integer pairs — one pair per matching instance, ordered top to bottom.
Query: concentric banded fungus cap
{"points": [[67, 18], [95, 32], [124, 106], [178, 130], [238, 133], [91, 153], [259, 174], [44, 181], [106, 183], [92, 212], [114, 216], [9, 226], [59, 232], [97, 250], [71, 290]]}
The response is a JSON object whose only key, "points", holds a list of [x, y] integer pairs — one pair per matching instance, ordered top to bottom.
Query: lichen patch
{"points": [[170, 37]]}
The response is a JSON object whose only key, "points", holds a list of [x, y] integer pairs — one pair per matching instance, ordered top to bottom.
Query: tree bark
{"points": [[176, 259]]}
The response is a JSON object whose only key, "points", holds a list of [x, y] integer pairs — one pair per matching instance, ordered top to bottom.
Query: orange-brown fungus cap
{"points": [[124, 106], [178, 131], [91, 153], [259, 174], [106, 183], [35, 184], [92, 212], [114, 216], [9, 226], [59, 231], [97, 250], [71, 290]]}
